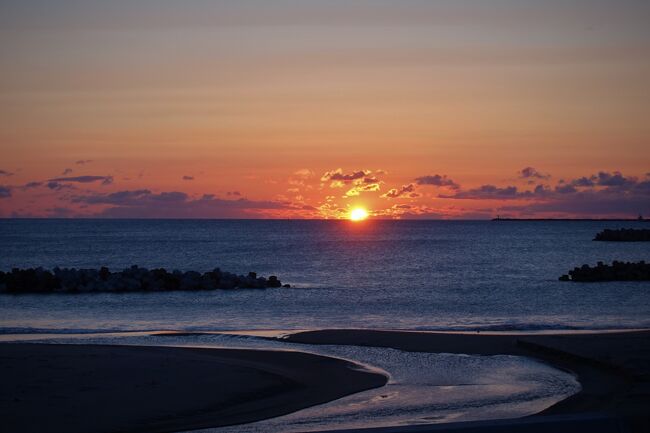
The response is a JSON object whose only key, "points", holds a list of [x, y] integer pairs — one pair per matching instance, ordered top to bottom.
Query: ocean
{"points": [[418, 275]]}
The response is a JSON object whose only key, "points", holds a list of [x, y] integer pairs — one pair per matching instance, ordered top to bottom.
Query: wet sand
{"points": [[613, 368], [82, 388]]}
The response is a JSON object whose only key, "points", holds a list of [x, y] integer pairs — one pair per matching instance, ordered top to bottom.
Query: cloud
{"points": [[83, 161], [66, 171], [6, 173], [303, 173], [531, 173], [338, 175], [188, 177], [300, 177], [603, 178], [613, 179], [105, 180], [437, 180], [362, 181], [583, 182], [59, 183], [602, 184], [57, 186], [642, 187], [358, 189], [565, 189], [405, 190], [5, 191], [491, 192], [601, 194], [129, 197], [144, 203], [589, 204], [419, 212], [424, 212]]}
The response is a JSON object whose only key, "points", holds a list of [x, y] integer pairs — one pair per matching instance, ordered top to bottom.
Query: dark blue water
{"points": [[375, 274]]}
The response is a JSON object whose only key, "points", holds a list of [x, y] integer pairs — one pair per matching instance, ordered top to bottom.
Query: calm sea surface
{"points": [[376, 274]]}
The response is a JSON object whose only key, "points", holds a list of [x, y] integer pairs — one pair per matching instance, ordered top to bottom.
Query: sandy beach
{"points": [[78, 388], [83, 388]]}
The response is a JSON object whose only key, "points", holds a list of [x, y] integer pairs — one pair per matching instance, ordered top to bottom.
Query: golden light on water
{"points": [[358, 214]]}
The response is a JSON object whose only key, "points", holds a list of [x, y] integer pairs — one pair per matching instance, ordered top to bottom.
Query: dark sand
{"points": [[613, 368], [97, 388]]}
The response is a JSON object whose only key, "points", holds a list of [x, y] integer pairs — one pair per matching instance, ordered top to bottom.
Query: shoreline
{"points": [[275, 333], [613, 368], [77, 388]]}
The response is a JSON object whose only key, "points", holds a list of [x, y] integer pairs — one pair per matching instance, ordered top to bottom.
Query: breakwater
{"points": [[624, 235], [617, 271], [133, 279]]}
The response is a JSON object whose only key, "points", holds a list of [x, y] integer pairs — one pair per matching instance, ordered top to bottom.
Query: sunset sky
{"points": [[309, 108]]}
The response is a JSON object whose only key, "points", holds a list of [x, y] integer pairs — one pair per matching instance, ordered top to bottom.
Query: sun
{"points": [[358, 214]]}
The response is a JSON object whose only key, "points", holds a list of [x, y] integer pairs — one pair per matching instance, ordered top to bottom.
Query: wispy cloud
{"points": [[105, 180]]}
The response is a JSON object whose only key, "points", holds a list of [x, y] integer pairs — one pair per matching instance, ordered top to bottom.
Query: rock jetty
{"points": [[624, 235], [617, 271], [133, 279]]}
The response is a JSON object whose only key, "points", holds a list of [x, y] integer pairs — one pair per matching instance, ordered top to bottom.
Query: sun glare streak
{"points": [[358, 214]]}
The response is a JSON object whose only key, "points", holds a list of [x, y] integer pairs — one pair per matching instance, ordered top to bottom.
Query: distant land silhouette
{"points": [[570, 219]]}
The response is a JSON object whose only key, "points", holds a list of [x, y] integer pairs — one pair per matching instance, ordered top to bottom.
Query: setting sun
{"points": [[358, 214]]}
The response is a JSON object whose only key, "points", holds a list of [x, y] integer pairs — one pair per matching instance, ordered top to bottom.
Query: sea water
{"points": [[437, 275]]}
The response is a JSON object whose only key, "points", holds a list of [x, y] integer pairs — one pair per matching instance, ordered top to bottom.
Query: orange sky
{"points": [[257, 100]]}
